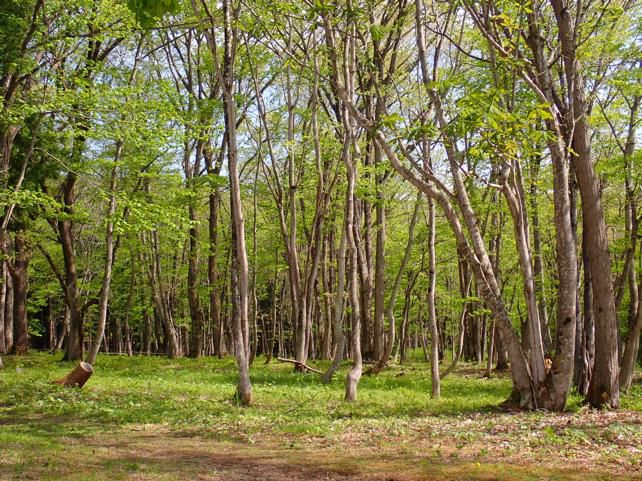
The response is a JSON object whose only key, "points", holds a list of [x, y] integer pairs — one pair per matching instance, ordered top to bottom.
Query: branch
{"points": [[54, 268]]}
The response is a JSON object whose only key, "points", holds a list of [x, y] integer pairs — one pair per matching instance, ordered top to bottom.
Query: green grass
{"points": [[199, 393], [195, 398]]}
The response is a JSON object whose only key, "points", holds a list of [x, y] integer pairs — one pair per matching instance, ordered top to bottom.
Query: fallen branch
{"points": [[300, 365], [78, 377]]}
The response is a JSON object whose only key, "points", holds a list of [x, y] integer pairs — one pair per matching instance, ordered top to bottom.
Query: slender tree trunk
{"points": [[514, 193], [212, 258], [109, 260], [538, 265], [380, 268], [240, 269], [3, 297], [159, 298], [390, 308], [8, 311], [196, 312], [432, 313], [337, 326], [632, 344], [631, 350], [354, 373]]}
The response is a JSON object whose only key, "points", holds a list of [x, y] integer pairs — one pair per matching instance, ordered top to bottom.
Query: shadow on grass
{"points": [[48, 427], [156, 455]]}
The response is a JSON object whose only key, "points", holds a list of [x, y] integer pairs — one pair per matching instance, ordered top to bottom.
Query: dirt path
{"points": [[592, 445], [155, 453]]}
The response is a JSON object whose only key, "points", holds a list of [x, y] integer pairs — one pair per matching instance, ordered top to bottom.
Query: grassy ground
{"points": [[158, 419]]}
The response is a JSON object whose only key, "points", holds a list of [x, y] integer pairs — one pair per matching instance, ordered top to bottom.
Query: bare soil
{"points": [[500, 446]]}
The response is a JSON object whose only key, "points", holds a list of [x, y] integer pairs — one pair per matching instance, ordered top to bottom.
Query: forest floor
{"points": [[158, 419]]}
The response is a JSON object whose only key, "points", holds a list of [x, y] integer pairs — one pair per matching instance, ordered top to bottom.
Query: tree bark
{"points": [[109, 260], [20, 285], [8, 311], [432, 313], [78, 377]]}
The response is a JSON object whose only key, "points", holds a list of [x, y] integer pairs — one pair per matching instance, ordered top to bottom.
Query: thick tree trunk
{"points": [[20, 285], [75, 344], [78, 377], [604, 385]]}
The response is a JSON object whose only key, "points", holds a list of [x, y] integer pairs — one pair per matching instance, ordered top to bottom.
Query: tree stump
{"points": [[1, 365], [78, 377]]}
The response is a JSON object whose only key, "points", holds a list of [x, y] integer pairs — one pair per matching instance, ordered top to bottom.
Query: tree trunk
{"points": [[109, 260], [538, 265], [240, 271], [20, 285], [3, 297], [390, 308], [8, 311], [196, 313], [432, 313], [337, 326], [379, 348], [631, 350], [354, 373], [78, 377], [604, 385]]}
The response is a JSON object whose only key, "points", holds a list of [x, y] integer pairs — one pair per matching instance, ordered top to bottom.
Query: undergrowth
{"points": [[197, 395]]}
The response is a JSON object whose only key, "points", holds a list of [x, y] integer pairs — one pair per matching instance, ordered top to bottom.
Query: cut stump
{"points": [[78, 377]]}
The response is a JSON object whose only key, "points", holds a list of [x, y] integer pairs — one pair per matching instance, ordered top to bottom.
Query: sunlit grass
{"points": [[200, 392], [198, 395], [194, 399]]}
